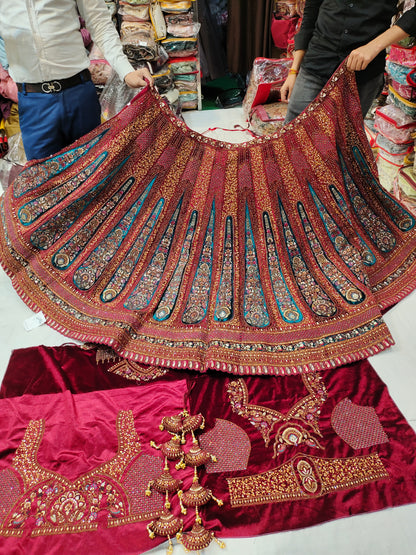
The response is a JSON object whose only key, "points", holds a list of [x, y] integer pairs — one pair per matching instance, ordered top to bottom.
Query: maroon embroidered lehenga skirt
{"points": [[271, 257]]}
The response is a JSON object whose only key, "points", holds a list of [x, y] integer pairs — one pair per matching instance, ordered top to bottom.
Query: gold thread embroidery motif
{"points": [[135, 371], [264, 419], [305, 477], [58, 505]]}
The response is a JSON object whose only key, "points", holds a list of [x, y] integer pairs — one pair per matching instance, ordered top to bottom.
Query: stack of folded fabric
{"points": [[181, 45], [395, 123]]}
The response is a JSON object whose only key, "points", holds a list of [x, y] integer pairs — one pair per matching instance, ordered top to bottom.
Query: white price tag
{"points": [[34, 321]]}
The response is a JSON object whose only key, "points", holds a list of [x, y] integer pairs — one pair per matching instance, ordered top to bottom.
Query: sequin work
{"points": [[272, 257]]}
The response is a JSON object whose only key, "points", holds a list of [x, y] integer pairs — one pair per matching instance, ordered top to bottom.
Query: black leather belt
{"points": [[56, 85]]}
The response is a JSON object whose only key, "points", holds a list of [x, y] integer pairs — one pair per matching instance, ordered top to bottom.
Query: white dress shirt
{"points": [[43, 40]]}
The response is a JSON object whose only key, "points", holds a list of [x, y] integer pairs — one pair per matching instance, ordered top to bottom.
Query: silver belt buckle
{"points": [[51, 87]]}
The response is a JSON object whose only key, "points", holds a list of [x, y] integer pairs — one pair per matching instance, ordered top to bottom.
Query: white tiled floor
{"points": [[392, 531]]}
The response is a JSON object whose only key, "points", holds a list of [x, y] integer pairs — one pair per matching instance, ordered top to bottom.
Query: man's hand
{"points": [[361, 57], [139, 78], [287, 87]]}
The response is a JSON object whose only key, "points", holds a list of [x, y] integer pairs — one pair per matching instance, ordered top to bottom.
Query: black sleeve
{"points": [[310, 16], [407, 22]]}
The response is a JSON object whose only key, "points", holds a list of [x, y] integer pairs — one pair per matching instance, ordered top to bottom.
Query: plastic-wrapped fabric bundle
{"points": [[176, 6], [134, 13], [180, 30], [180, 47], [403, 56], [183, 66], [99, 68], [398, 72], [266, 80], [406, 91], [115, 95], [407, 106], [266, 119], [394, 124]]}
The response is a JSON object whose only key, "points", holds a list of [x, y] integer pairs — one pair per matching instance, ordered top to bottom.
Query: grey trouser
{"points": [[308, 86]]}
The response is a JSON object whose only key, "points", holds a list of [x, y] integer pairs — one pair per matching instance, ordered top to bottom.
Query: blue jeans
{"points": [[308, 86], [50, 122]]}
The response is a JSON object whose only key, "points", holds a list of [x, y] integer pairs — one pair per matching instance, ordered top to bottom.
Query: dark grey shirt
{"points": [[331, 29]]}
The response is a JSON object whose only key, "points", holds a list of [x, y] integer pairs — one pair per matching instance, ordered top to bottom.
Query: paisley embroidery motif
{"points": [[348, 253], [367, 254], [345, 288], [144, 291], [314, 295], [168, 301], [197, 304], [224, 306], [255, 309], [288, 309]]}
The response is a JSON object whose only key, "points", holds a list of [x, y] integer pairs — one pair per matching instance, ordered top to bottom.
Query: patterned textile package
{"points": [[176, 6], [134, 13], [158, 20], [180, 30], [180, 47], [403, 56], [183, 66], [398, 72], [407, 91], [407, 106], [268, 118], [390, 147], [399, 155], [388, 171], [404, 187], [271, 257]]}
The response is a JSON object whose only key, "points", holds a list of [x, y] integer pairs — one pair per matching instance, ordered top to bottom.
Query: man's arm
{"points": [[310, 16], [98, 22], [405, 26], [302, 38], [362, 56]]}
